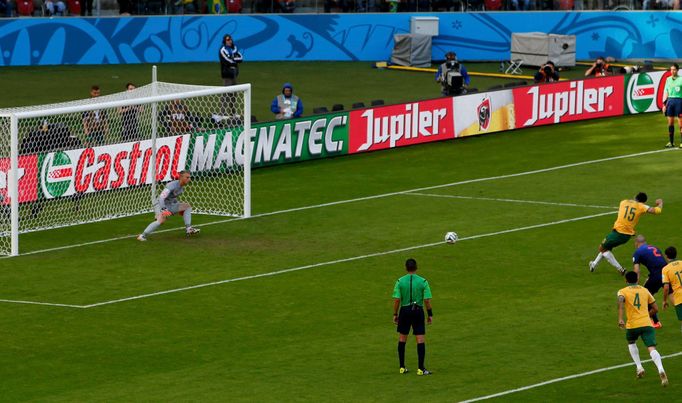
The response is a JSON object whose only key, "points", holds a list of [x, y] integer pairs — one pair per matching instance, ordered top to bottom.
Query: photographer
{"points": [[599, 68], [547, 73], [452, 76]]}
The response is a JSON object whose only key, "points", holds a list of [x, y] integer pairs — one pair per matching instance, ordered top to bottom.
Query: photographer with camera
{"points": [[599, 68], [547, 73], [452, 76]]}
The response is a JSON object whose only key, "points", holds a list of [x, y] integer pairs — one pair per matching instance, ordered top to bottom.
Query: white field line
{"points": [[509, 200], [291, 210], [314, 265], [12, 301], [565, 378]]}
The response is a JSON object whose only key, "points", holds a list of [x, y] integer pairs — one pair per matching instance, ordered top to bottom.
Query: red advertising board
{"points": [[568, 101], [400, 125], [28, 179]]}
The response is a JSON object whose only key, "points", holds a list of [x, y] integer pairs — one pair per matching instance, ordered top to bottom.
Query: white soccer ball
{"points": [[451, 237]]}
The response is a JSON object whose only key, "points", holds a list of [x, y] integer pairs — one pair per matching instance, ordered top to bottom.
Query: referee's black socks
{"points": [[671, 134], [421, 352], [401, 353]]}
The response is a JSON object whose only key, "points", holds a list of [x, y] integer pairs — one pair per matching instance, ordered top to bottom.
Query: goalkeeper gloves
{"points": [[165, 212]]}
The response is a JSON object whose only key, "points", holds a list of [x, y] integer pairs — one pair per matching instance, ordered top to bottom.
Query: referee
{"points": [[672, 103], [410, 294]]}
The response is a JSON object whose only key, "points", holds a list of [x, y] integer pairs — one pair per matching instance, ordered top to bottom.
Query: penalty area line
{"points": [[359, 199], [321, 264], [564, 378]]}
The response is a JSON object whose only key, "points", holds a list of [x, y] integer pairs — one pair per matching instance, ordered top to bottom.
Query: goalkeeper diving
{"points": [[168, 204]]}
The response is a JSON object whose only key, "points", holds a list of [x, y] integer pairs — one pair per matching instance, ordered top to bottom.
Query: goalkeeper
{"points": [[168, 204]]}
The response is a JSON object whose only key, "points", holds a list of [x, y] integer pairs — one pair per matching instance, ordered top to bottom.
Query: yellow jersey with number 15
{"points": [[628, 216], [672, 274], [637, 300]]}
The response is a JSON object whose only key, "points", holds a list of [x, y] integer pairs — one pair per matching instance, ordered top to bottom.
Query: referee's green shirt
{"points": [[673, 87], [420, 290]]}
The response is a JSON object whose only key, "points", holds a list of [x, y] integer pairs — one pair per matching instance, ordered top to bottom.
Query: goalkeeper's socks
{"points": [[187, 217], [151, 228], [401, 353], [421, 353]]}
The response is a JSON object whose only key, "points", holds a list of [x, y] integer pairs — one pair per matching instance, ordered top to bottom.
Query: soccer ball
{"points": [[451, 237]]}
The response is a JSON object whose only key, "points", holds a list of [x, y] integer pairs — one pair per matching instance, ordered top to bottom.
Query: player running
{"points": [[168, 204], [624, 228], [652, 258], [672, 280], [639, 304]]}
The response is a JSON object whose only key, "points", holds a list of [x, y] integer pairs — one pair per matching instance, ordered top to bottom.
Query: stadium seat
{"points": [[377, 102], [358, 105], [337, 107], [320, 109]]}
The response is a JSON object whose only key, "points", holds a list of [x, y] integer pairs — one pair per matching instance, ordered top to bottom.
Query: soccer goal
{"points": [[108, 157]]}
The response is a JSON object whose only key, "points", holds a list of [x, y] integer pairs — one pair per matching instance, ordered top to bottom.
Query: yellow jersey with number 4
{"points": [[628, 216], [672, 274], [637, 300]]}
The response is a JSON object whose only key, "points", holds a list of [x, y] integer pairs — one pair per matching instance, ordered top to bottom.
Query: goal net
{"points": [[109, 156]]}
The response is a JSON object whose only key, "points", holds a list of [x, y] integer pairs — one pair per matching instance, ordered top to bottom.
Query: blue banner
{"points": [[343, 37]]}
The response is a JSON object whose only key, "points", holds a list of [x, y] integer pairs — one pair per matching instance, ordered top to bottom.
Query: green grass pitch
{"points": [[511, 310]]}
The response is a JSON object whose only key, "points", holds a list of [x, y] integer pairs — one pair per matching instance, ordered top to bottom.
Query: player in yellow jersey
{"points": [[629, 212], [672, 281], [639, 304]]}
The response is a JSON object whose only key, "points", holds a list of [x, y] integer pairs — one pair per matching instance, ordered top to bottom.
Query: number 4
{"points": [[636, 301]]}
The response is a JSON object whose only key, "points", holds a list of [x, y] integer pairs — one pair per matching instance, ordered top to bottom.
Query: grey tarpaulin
{"points": [[536, 48], [412, 50]]}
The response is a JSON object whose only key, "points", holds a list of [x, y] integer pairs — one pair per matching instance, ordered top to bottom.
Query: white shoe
{"points": [[192, 231], [141, 238], [592, 266], [621, 271], [640, 373], [664, 379]]}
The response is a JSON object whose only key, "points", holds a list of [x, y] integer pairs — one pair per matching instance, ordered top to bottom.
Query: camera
{"points": [[452, 65], [548, 70]]}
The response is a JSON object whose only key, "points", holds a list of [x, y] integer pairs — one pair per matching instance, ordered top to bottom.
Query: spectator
{"points": [[284, 6], [54, 7], [86, 7], [125, 7], [185, 7], [6, 8], [599, 68], [547, 73], [452, 76], [287, 105], [130, 119], [95, 123]]}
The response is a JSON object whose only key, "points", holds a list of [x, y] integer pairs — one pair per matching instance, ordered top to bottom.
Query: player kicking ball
{"points": [[168, 204], [629, 212], [639, 304]]}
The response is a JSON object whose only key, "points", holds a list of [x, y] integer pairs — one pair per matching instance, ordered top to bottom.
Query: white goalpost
{"points": [[107, 157]]}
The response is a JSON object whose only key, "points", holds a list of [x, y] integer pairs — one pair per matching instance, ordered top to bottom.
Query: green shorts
{"points": [[613, 239], [678, 309], [647, 334]]}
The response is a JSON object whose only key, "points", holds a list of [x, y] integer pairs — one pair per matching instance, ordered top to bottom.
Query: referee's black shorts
{"points": [[673, 107], [411, 317]]}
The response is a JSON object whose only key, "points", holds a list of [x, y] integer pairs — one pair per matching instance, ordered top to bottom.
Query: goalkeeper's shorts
{"points": [[172, 207]]}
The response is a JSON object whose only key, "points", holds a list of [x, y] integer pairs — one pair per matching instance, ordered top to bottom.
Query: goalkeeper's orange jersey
{"points": [[628, 216]]}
